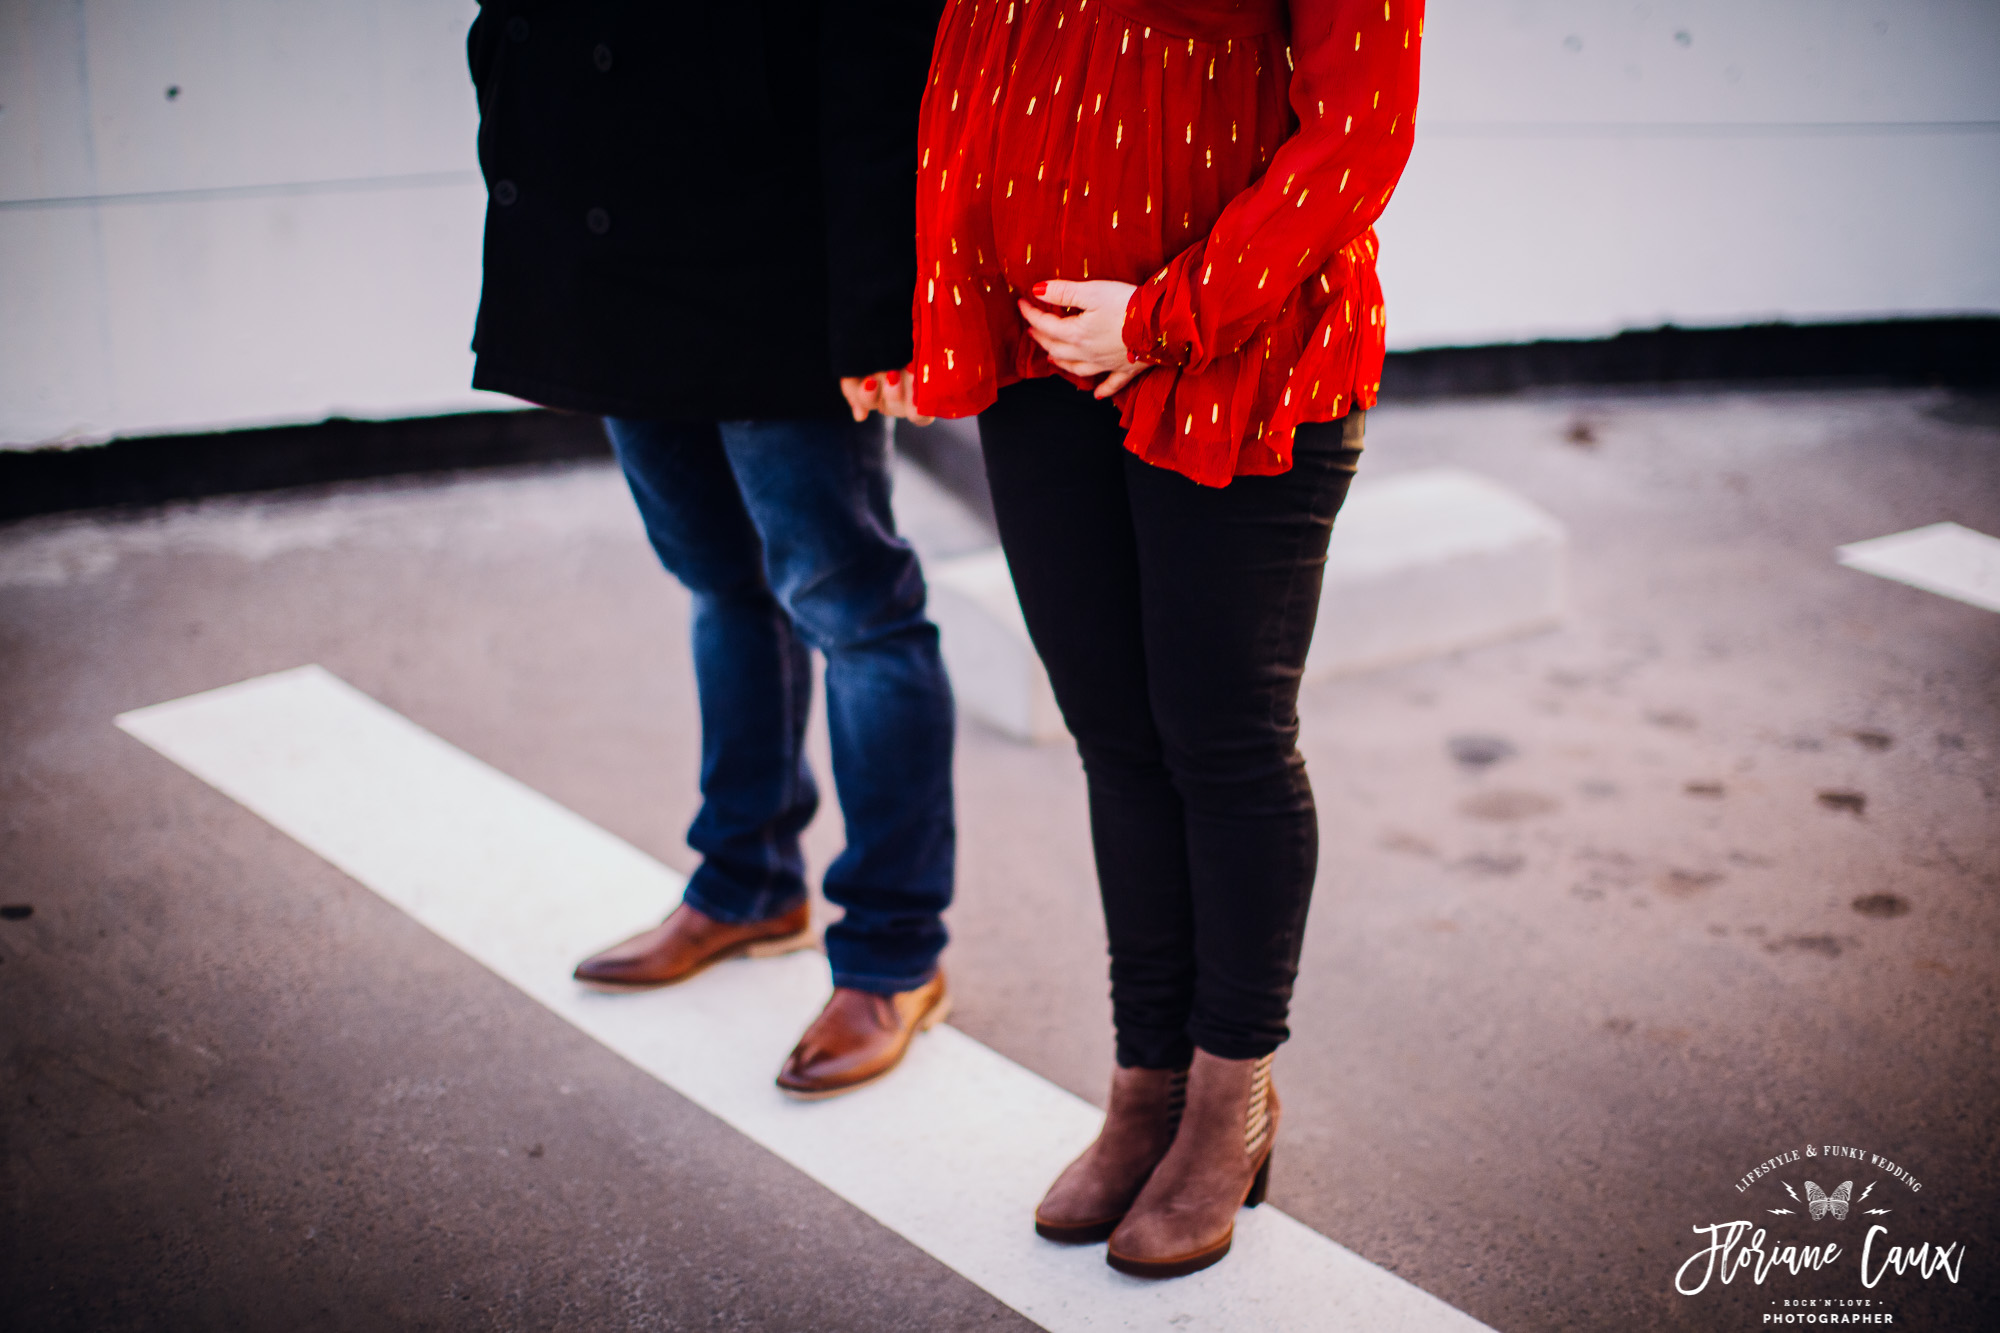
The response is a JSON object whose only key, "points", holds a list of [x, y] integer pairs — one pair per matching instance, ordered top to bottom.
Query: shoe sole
{"points": [[771, 948], [930, 1018], [1080, 1233], [1181, 1267]]}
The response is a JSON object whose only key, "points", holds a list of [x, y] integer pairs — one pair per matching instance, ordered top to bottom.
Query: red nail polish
{"points": [[1040, 289], [894, 377], [868, 386]]}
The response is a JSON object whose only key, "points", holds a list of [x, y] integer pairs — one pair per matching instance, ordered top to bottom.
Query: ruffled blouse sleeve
{"points": [[1353, 90]]}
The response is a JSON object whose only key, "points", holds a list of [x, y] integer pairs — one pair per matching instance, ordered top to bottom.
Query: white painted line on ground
{"points": [[1943, 558], [951, 1153]]}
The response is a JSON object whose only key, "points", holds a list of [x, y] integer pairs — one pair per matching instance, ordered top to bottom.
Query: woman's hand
{"points": [[1092, 340], [886, 391]]}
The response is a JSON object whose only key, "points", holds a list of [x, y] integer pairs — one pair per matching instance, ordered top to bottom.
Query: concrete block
{"points": [[1428, 562], [1422, 563], [994, 670]]}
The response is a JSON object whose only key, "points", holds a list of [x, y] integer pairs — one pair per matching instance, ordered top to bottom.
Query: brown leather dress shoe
{"points": [[688, 941], [859, 1037], [1092, 1196], [1185, 1217]]}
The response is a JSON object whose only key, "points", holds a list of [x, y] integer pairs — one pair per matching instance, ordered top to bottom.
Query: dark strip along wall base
{"points": [[1959, 353], [157, 469]]}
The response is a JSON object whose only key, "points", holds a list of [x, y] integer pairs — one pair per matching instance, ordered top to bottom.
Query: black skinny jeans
{"points": [[1174, 620]]}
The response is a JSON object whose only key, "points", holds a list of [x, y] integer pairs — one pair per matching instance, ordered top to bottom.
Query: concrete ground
{"points": [[1606, 917]]}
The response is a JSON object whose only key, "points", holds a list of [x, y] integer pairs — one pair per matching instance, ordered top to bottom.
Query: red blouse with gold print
{"points": [[1230, 163]]}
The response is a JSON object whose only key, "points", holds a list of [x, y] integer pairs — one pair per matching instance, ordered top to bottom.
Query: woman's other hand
{"points": [[1090, 341], [886, 391]]}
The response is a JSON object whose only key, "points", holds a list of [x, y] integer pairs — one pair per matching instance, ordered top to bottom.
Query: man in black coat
{"points": [[700, 226]]}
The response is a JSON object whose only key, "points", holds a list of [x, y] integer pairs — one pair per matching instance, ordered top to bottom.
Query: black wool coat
{"points": [[697, 209]]}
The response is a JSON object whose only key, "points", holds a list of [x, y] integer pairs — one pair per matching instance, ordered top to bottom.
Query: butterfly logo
{"points": [[1821, 1203]]}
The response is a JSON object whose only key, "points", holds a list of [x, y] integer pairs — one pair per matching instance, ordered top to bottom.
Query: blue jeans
{"points": [[782, 532]]}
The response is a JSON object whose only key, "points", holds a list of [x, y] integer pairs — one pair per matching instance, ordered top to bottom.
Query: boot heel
{"points": [[1260, 1184]]}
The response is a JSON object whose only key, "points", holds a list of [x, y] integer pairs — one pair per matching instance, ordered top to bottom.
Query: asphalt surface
{"points": [[1606, 917]]}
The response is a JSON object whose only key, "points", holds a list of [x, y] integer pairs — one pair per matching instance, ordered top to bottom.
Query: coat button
{"points": [[517, 28], [601, 58], [504, 193], [598, 221]]}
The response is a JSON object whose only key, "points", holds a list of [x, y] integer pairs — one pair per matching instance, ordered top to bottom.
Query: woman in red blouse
{"points": [[1146, 261]]}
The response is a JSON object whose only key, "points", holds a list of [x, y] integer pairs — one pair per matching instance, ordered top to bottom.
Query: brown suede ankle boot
{"points": [[1092, 1194], [1185, 1217]]}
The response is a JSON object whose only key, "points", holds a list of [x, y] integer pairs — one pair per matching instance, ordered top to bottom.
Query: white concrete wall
{"points": [[1586, 166], [296, 234]]}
